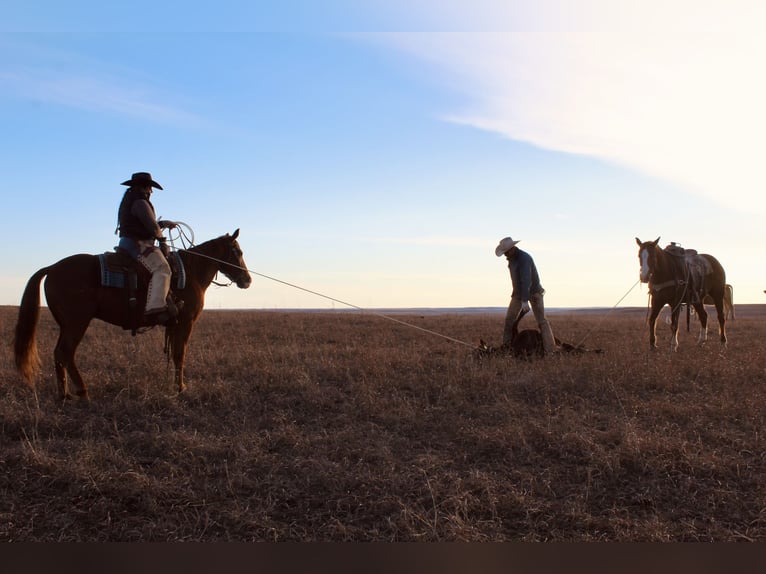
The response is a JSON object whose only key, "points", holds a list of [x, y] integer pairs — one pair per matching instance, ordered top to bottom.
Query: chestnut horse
{"points": [[679, 276], [75, 296]]}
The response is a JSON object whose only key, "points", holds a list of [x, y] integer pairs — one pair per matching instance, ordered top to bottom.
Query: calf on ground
{"points": [[527, 344]]}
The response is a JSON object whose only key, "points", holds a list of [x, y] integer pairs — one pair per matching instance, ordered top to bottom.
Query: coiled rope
{"points": [[183, 233]]}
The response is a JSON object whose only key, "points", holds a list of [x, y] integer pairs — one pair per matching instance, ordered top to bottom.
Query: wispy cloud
{"points": [[91, 93], [680, 102]]}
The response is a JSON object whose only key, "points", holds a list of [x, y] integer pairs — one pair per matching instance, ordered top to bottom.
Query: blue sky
{"points": [[377, 151]]}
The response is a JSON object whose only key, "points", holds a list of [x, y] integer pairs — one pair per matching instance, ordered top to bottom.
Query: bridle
{"points": [[236, 252]]}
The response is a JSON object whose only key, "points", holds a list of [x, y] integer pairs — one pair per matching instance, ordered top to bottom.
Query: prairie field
{"points": [[347, 426]]}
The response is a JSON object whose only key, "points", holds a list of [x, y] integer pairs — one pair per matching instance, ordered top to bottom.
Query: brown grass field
{"points": [[349, 427]]}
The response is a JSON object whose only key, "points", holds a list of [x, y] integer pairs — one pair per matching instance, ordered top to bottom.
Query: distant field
{"points": [[350, 427]]}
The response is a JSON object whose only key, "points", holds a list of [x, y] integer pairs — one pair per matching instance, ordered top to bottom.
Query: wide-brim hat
{"points": [[142, 178], [505, 244]]}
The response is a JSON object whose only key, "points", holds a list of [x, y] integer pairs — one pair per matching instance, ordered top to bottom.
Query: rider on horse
{"points": [[139, 229]]}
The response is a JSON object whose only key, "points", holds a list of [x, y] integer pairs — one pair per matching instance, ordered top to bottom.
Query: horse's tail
{"points": [[730, 296], [24, 340]]}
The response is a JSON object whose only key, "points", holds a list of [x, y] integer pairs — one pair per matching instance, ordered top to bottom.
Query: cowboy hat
{"points": [[142, 178], [505, 244]]}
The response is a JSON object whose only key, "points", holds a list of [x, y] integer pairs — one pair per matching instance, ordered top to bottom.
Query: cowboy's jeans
{"points": [[538, 309]]}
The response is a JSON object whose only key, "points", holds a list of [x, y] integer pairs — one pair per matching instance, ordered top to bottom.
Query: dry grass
{"points": [[348, 427]]}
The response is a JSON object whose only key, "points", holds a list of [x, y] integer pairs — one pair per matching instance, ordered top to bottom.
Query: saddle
{"points": [[696, 268], [120, 271]]}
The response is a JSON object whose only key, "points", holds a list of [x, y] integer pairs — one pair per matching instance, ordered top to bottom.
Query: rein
{"points": [[198, 254]]}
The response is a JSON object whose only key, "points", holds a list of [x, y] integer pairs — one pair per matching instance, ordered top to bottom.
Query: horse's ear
{"points": [[235, 234], [638, 241], [656, 241]]}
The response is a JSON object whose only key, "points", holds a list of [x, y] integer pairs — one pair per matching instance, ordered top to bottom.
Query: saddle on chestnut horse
{"points": [[121, 271]]}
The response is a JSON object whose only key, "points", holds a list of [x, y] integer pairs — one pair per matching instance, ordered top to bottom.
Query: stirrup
{"points": [[174, 307], [157, 317]]}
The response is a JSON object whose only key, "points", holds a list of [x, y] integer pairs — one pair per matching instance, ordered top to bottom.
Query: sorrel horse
{"points": [[678, 276], [75, 297]]}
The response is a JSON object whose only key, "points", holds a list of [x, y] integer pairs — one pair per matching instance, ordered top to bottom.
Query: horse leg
{"points": [[719, 308], [702, 315], [653, 327], [674, 329], [180, 339], [63, 356], [60, 365], [179, 376]]}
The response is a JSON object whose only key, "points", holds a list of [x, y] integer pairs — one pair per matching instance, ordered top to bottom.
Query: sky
{"points": [[376, 151]]}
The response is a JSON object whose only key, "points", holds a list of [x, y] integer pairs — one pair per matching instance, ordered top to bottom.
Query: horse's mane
{"points": [[205, 244], [669, 264]]}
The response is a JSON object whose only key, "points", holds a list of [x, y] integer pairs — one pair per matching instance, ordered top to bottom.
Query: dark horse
{"points": [[678, 276], [75, 297]]}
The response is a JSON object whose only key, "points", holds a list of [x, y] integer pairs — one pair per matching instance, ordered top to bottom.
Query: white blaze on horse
{"points": [[678, 276]]}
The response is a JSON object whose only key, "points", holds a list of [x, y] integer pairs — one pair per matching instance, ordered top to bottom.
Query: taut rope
{"points": [[186, 241], [357, 307], [589, 333]]}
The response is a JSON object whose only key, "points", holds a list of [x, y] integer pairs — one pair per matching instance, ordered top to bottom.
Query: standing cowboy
{"points": [[139, 229], [527, 291]]}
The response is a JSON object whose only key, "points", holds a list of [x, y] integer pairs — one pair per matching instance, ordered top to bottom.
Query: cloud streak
{"points": [[91, 94], [681, 103]]}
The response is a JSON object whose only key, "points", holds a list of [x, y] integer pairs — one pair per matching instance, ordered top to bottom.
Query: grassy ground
{"points": [[349, 427]]}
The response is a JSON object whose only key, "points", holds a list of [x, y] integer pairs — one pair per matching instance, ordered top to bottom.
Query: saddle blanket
{"points": [[116, 270]]}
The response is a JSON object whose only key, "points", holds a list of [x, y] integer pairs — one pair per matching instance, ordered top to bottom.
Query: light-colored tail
{"points": [[728, 299]]}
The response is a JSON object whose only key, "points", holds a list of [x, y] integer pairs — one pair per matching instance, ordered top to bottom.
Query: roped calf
{"points": [[527, 344]]}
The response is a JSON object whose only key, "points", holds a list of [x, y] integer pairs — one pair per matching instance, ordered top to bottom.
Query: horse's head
{"points": [[647, 254], [232, 263]]}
